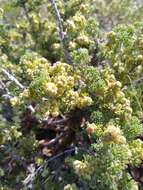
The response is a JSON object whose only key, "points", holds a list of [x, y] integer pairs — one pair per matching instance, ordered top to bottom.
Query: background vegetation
{"points": [[71, 94]]}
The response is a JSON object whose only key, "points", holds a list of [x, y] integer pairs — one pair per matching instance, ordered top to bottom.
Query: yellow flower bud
{"points": [[84, 8], [79, 20], [70, 25], [111, 34], [83, 40], [72, 45], [56, 46], [140, 57], [121, 69], [139, 69], [112, 77], [118, 84], [51, 89], [120, 94], [74, 95], [14, 101], [84, 101], [128, 110], [55, 113], [91, 128], [111, 133], [120, 140], [80, 167], [70, 187]]}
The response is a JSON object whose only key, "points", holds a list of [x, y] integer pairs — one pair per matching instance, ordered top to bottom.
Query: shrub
{"points": [[71, 103]]}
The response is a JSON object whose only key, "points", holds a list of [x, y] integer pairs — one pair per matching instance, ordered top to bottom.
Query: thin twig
{"points": [[26, 13], [61, 32], [12, 78], [3, 87], [4, 92], [50, 122], [53, 141], [31, 177]]}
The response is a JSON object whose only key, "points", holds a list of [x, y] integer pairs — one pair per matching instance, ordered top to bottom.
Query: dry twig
{"points": [[61, 32]]}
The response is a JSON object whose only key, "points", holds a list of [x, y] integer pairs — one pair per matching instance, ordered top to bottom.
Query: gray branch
{"points": [[61, 32], [13, 79], [138, 81], [3, 89], [31, 177]]}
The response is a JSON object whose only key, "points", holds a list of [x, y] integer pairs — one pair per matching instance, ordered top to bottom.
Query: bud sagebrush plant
{"points": [[71, 106]]}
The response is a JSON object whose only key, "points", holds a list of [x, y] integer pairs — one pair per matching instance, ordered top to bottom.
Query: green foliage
{"points": [[123, 50], [71, 105]]}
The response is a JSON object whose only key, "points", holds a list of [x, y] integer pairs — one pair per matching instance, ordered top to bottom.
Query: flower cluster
{"points": [[123, 50], [52, 87], [70, 92], [113, 133], [137, 152], [83, 169], [70, 187]]}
